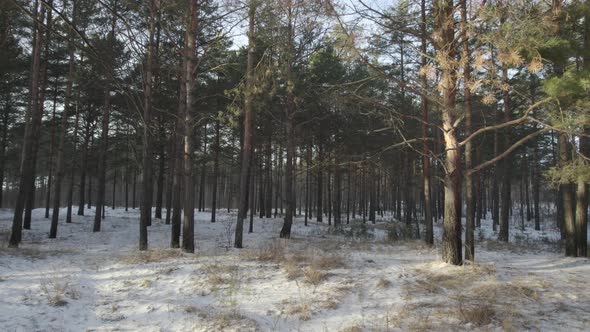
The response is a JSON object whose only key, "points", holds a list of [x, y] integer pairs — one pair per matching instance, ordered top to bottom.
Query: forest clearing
{"points": [[319, 280]]}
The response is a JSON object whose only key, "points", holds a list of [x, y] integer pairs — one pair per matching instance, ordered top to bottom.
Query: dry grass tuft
{"points": [[271, 252], [150, 256], [328, 262], [310, 264], [292, 270], [314, 276], [438, 277], [215, 280], [145, 283], [383, 283], [519, 289], [56, 292], [482, 298], [301, 310], [479, 314], [352, 328]]}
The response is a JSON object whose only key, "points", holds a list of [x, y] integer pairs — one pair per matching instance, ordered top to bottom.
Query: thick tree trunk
{"points": [[446, 47], [33, 123], [567, 197], [581, 226]]}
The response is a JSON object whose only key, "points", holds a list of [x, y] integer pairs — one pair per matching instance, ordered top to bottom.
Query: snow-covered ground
{"points": [[319, 280]]}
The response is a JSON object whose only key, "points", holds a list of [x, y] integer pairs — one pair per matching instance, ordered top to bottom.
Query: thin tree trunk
{"points": [[5, 117], [63, 131], [247, 146], [216, 152], [51, 153], [179, 163], [102, 164], [74, 166], [506, 168], [83, 170], [161, 170], [147, 173], [469, 186], [269, 187], [252, 189], [188, 222], [581, 223]]}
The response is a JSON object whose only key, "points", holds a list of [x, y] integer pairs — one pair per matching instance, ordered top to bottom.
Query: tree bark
{"points": [[446, 47], [33, 123], [63, 130], [104, 144], [3, 145], [247, 146], [216, 152], [51, 153], [506, 168], [147, 173], [469, 186], [177, 190], [567, 197], [188, 222], [581, 226], [429, 231]]}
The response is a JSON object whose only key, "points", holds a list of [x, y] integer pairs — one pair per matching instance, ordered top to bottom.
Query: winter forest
{"points": [[294, 165]]}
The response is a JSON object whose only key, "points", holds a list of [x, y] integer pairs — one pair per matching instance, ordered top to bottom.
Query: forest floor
{"points": [[360, 278]]}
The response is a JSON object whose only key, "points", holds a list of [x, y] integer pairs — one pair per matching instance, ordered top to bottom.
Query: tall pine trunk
{"points": [[446, 47], [32, 126], [63, 131], [104, 144], [247, 145], [216, 152], [188, 221], [429, 228]]}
